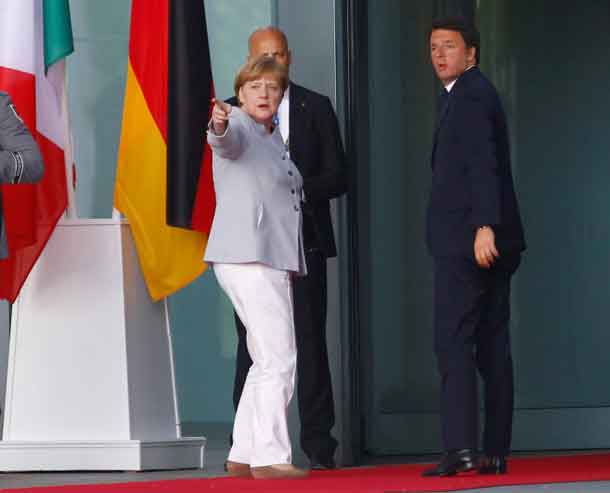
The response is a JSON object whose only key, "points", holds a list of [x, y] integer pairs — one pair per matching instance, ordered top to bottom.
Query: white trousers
{"points": [[262, 297]]}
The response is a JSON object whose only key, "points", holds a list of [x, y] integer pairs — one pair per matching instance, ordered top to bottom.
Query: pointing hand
{"points": [[220, 116]]}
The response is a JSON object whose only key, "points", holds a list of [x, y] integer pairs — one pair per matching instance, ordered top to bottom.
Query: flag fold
{"points": [[160, 152]]}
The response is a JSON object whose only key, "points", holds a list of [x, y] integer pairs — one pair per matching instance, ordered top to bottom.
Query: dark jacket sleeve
{"points": [[20, 159], [482, 166], [331, 180]]}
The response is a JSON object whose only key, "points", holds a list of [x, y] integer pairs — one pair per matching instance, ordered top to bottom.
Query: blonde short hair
{"points": [[255, 68]]}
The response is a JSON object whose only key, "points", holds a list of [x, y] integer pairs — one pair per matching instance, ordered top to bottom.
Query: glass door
{"points": [[547, 59]]}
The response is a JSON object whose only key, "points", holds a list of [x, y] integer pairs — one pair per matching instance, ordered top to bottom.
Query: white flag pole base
{"points": [[90, 377], [128, 455]]}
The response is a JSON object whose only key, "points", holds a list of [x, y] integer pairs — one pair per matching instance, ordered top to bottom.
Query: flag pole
{"points": [[71, 209]]}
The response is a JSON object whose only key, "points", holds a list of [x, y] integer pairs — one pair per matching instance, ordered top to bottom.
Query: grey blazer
{"points": [[20, 160], [258, 214]]}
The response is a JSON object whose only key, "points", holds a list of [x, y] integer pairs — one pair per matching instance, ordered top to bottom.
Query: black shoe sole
{"points": [[464, 467]]}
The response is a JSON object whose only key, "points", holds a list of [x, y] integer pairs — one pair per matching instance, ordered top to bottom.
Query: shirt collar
{"points": [[449, 86], [283, 114]]}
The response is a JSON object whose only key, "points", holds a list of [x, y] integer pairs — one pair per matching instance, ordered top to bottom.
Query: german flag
{"points": [[162, 138]]}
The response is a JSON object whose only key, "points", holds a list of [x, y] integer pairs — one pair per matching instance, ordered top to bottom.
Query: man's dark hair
{"points": [[465, 27]]}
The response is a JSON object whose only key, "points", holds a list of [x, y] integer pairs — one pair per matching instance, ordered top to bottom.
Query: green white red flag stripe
{"points": [[32, 211]]}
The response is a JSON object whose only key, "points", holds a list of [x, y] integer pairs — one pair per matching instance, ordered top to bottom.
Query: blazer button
{"points": [[284, 158], [290, 173], [292, 191], [296, 208]]}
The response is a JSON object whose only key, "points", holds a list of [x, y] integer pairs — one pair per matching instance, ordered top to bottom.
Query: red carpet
{"points": [[379, 479]]}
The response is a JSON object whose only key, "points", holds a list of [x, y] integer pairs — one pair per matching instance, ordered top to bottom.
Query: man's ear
{"points": [[472, 55], [240, 96]]}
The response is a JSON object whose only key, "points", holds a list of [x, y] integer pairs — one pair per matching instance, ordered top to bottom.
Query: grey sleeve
{"points": [[230, 144], [20, 159]]}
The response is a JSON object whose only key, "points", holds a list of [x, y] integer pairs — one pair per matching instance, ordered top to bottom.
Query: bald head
{"points": [[269, 41]]}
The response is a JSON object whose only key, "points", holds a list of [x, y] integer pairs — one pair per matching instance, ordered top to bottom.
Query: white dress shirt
{"points": [[449, 86], [283, 114]]}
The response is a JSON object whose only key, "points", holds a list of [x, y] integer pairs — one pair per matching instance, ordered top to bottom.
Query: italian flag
{"points": [[35, 38], [161, 152]]}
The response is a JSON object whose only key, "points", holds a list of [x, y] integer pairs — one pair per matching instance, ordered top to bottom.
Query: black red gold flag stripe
{"points": [[190, 91], [170, 257]]}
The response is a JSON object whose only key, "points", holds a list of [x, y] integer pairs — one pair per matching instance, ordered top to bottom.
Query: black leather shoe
{"points": [[453, 462], [320, 464], [493, 464]]}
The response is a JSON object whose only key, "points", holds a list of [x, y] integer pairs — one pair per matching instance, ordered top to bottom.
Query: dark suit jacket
{"points": [[316, 149], [472, 183]]}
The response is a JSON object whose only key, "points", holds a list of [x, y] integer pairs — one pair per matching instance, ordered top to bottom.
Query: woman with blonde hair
{"points": [[255, 248]]}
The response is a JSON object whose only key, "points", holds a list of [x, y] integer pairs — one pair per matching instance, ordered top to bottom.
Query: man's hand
{"points": [[220, 116], [485, 250]]}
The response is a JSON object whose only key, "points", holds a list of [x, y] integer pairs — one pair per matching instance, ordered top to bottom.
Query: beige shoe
{"points": [[237, 469], [279, 471]]}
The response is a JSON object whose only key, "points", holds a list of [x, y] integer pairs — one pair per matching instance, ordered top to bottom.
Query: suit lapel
{"points": [[463, 79], [455, 93], [444, 109], [296, 111], [443, 112], [293, 117], [441, 118]]}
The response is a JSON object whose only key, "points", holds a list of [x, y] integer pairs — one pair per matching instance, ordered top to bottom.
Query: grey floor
{"points": [[26, 480], [597, 487]]}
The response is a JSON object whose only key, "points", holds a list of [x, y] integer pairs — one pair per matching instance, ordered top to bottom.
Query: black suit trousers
{"points": [[471, 332], [314, 389]]}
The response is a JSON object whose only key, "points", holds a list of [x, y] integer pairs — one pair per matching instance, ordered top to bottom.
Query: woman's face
{"points": [[260, 98]]}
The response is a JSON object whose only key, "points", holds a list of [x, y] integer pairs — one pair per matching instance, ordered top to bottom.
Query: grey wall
{"points": [[310, 27], [96, 79]]}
